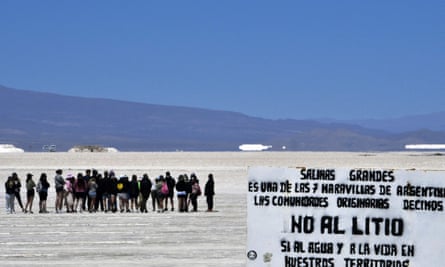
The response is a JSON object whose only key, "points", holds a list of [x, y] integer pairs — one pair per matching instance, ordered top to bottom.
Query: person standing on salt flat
{"points": [[209, 192]]}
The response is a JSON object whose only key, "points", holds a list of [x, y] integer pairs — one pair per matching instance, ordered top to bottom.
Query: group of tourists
{"points": [[93, 191]]}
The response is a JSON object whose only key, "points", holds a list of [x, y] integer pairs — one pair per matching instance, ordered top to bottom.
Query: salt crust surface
{"points": [[153, 239]]}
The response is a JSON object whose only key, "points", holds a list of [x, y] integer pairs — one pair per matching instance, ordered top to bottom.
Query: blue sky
{"points": [[271, 59]]}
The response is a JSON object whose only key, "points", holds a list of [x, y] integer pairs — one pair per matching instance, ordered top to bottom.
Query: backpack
{"points": [[60, 182], [120, 186], [164, 189], [196, 189], [199, 190]]}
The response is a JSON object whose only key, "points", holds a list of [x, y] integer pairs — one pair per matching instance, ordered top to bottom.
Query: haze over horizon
{"points": [[296, 60]]}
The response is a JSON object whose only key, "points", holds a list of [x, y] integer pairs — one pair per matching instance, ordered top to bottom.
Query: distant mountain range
{"points": [[31, 120], [433, 121]]}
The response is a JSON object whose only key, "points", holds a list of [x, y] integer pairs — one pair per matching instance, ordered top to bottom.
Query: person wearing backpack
{"points": [[59, 183], [123, 186], [171, 188], [188, 191], [162, 192], [196, 192], [181, 193]]}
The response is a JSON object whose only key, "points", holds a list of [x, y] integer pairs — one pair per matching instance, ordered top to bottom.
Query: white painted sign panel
{"points": [[326, 217]]}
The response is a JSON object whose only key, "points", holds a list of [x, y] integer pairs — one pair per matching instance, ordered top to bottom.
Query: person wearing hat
{"points": [[30, 192]]}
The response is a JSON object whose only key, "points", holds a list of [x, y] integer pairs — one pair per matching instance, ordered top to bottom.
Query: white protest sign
{"points": [[315, 217]]}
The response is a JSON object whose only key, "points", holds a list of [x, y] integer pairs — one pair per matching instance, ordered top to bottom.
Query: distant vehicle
{"points": [[254, 147], [49, 148]]}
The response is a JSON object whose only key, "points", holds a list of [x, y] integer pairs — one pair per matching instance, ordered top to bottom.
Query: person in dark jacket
{"points": [[18, 186], [171, 188], [42, 189], [188, 190], [106, 191], [113, 191], [134, 192], [145, 192], [181, 192], [196, 192], [209, 192], [10, 195], [86, 201], [99, 204]]}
